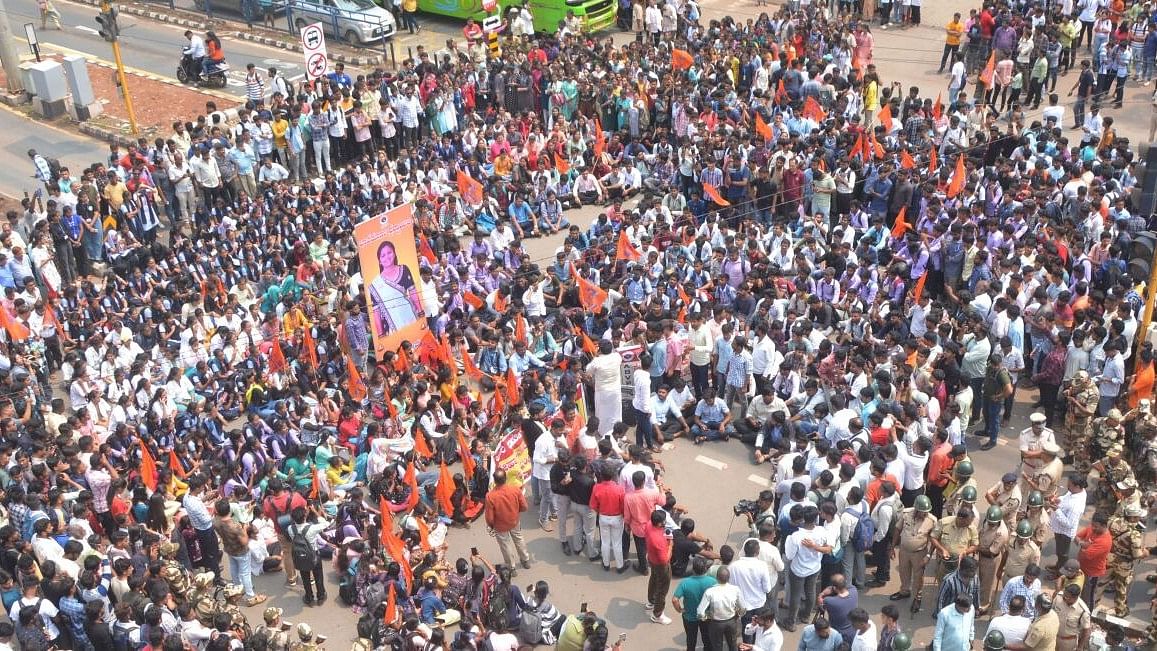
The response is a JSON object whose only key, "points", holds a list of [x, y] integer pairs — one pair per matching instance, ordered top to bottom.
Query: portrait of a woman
{"points": [[393, 294]]}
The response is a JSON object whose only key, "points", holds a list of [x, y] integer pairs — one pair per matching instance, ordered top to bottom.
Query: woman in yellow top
{"points": [[871, 91], [280, 127], [340, 474]]}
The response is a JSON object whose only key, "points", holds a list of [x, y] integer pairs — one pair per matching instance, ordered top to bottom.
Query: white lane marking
{"points": [[86, 28], [297, 77], [235, 83], [714, 463], [762, 481]]}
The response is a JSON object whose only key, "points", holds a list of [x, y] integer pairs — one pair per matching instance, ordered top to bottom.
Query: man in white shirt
{"points": [[702, 344], [641, 403], [545, 455], [1066, 516], [803, 552], [750, 575], [719, 609], [1013, 625], [763, 631], [866, 638]]}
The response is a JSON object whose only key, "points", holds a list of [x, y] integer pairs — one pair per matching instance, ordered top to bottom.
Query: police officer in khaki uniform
{"points": [[1081, 396], [1107, 432], [1032, 441], [1112, 470], [1046, 477], [962, 478], [1007, 496], [1034, 512], [954, 537], [993, 540], [913, 541], [1128, 548], [1021, 552], [174, 573], [1076, 622], [1042, 633]]}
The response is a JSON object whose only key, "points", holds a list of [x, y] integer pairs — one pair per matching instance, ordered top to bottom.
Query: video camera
{"points": [[750, 507]]}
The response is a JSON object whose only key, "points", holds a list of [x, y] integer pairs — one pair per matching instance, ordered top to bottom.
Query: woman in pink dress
{"points": [[862, 56]]}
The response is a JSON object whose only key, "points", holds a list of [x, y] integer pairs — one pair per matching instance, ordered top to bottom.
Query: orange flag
{"points": [[681, 59], [989, 69], [780, 92], [937, 108], [813, 110], [885, 116], [762, 128], [600, 139], [877, 148], [906, 161], [932, 162], [561, 164], [956, 185], [472, 191], [713, 193], [901, 225], [425, 250], [624, 250], [919, 290], [590, 295], [472, 300], [686, 300], [500, 301], [50, 318], [520, 329], [589, 345], [309, 347], [429, 350], [448, 353], [277, 361], [402, 364], [468, 365], [357, 387], [513, 395], [499, 403], [421, 446], [467, 458], [176, 466], [148, 467], [314, 485], [445, 489], [415, 491], [423, 534], [393, 544], [390, 613]]}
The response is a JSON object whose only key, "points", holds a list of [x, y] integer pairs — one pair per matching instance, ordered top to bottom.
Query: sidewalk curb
{"points": [[200, 25]]}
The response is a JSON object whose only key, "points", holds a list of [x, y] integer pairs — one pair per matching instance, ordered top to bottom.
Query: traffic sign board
{"points": [[313, 38], [316, 65]]}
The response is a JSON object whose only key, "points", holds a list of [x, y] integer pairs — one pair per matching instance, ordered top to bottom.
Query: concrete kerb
{"points": [[191, 23]]}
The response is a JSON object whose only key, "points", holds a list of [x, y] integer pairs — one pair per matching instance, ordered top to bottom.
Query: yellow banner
{"points": [[389, 262]]}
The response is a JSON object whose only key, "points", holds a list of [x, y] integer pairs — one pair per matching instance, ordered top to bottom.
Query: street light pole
{"points": [[111, 33], [8, 54]]}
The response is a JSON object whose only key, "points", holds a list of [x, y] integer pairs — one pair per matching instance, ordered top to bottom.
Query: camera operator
{"points": [[758, 512]]}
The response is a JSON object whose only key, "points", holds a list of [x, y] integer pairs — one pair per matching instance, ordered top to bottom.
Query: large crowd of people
{"points": [[848, 275]]}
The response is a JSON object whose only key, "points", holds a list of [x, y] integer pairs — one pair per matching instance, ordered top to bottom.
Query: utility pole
{"points": [[110, 31], [8, 54], [1150, 298]]}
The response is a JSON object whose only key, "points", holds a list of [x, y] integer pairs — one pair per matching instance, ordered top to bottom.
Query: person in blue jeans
{"points": [[996, 387], [712, 419]]}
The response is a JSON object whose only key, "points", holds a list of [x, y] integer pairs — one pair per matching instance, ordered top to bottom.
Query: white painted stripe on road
{"points": [[86, 28], [297, 77], [234, 82], [714, 463], [762, 481]]}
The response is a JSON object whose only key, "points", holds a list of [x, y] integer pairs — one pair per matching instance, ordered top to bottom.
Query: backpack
{"points": [[974, 31], [282, 518], [864, 532], [304, 555], [347, 590], [495, 613], [530, 625], [122, 637]]}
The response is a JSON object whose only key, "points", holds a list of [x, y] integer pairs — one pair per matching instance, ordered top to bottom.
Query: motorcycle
{"points": [[189, 71]]}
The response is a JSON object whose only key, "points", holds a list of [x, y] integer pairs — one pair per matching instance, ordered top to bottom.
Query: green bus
{"points": [[596, 15]]}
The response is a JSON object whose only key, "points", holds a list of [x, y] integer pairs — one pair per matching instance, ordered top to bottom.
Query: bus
{"points": [[596, 15]]}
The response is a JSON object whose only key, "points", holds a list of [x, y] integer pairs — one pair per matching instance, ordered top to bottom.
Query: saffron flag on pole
{"points": [[681, 59], [989, 70], [937, 108], [812, 109], [885, 116], [762, 128], [600, 139], [877, 148], [906, 161], [933, 161], [561, 164], [956, 185], [472, 191], [712, 192], [901, 225], [425, 250], [624, 250], [919, 290], [591, 295], [472, 300], [520, 329], [309, 347], [277, 361], [472, 370], [357, 388], [513, 394], [420, 445], [468, 465], [176, 466], [411, 480], [445, 489], [423, 534], [390, 613]]}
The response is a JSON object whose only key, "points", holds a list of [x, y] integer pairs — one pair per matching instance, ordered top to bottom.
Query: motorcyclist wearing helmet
{"points": [[913, 540]]}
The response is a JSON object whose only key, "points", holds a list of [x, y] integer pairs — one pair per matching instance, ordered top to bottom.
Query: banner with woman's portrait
{"points": [[389, 262]]}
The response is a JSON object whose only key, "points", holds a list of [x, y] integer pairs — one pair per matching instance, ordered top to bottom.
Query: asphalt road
{"points": [[22, 133]]}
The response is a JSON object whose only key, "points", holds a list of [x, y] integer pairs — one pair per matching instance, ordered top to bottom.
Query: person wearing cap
{"points": [[1081, 398], [1144, 423], [1108, 431], [1032, 439], [1113, 472], [1047, 477], [1007, 495], [955, 537], [993, 537], [913, 539], [1127, 548], [1074, 618], [271, 634]]}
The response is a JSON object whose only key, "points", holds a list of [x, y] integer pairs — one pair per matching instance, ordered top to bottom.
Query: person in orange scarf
{"points": [[1141, 388]]}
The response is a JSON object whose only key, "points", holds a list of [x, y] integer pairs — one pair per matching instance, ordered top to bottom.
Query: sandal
{"points": [[256, 599]]}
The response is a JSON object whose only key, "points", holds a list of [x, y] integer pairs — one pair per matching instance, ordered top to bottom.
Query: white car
{"points": [[354, 21]]}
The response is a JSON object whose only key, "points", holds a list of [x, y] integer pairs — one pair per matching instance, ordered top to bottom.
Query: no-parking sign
{"points": [[313, 47]]}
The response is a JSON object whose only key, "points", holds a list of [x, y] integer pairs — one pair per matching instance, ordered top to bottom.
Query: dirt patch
{"points": [[156, 102]]}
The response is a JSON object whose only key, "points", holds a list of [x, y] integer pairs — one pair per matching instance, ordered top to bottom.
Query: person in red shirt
{"points": [[472, 31], [939, 471], [880, 476], [607, 501], [504, 506], [637, 508], [1094, 542], [659, 545]]}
